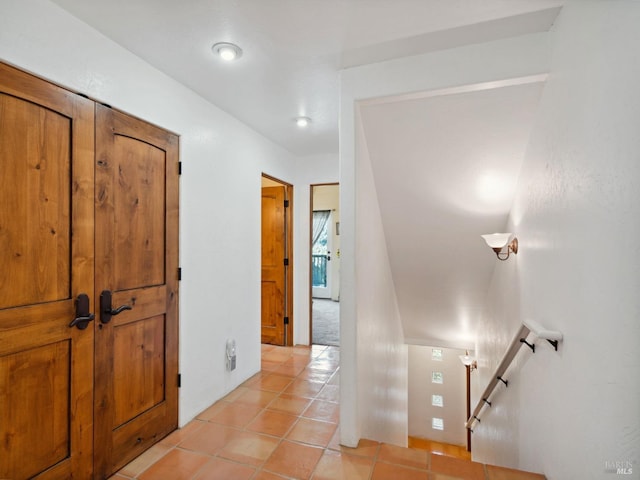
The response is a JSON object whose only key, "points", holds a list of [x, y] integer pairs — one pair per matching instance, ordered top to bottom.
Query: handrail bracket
{"points": [[532, 346]]}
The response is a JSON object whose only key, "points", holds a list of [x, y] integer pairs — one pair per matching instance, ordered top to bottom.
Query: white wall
{"points": [[464, 66], [310, 170], [220, 188], [576, 215], [381, 352], [453, 391]]}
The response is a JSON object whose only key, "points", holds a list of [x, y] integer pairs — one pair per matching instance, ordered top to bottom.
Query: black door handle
{"points": [[106, 311], [83, 317]]}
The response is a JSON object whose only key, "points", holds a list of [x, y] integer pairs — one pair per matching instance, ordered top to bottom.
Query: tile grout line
{"points": [[243, 428]]}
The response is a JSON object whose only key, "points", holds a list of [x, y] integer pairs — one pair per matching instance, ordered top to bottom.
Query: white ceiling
{"points": [[294, 49], [445, 166]]}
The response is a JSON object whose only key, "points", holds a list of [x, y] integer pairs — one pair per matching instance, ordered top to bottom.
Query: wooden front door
{"points": [[46, 263], [276, 284], [136, 379]]}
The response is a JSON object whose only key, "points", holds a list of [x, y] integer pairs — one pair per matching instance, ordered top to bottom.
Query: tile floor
{"points": [[283, 424]]}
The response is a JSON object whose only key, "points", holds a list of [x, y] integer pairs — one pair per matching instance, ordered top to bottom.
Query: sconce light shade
{"points": [[499, 241], [468, 361]]}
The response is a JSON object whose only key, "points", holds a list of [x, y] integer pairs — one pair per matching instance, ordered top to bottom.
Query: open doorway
{"points": [[277, 253], [325, 265]]}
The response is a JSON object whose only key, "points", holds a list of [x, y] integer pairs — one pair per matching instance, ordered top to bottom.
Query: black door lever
{"points": [[106, 311], [83, 317]]}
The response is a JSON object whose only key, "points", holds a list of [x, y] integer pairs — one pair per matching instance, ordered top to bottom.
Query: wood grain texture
{"points": [[34, 237], [46, 249], [137, 259], [273, 270]]}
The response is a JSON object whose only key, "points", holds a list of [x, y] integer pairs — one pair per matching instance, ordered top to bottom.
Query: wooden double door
{"points": [[88, 283]]}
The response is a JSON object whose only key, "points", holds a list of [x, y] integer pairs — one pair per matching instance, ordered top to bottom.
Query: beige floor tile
{"points": [[302, 350], [330, 353], [276, 355], [298, 360], [324, 364], [269, 367], [289, 370], [315, 375], [256, 378], [272, 382], [304, 388], [330, 393], [233, 396], [260, 398], [289, 404], [213, 410], [323, 410], [236, 415], [271, 422], [312, 432], [180, 434], [209, 439], [249, 448], [365, 448], [403, 456], [294, 460], [144, 461], [176, 465], [340, 466], [457, 467], [219, 469], [387, 471], [264, 475], [442, 476]]}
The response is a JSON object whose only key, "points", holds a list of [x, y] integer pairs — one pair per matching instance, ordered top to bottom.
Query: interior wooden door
{"points": [[46, 259], [273, 265], [136, 384]]}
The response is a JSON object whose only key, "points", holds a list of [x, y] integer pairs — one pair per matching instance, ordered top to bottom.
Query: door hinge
{"points": [[179, 168], [286, 203], [286, 262], [179, 274], [286, 320], [179, 380]]}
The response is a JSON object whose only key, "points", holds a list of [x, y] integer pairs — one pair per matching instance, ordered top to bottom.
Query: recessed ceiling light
{"points": [[227, 51], [303, 121]]}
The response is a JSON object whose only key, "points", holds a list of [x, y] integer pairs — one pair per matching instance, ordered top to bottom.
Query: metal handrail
{"points": [[519, 339]]}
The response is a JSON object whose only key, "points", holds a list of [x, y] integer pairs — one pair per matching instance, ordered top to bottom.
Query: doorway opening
{"points": [[277, 262], [325, 265]]}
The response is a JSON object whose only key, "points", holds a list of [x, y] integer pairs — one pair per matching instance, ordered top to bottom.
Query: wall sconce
{"points": [[499, 241], [468, 361]]}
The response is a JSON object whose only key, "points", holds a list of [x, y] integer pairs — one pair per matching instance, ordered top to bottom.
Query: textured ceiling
{"points": [[294, 49]]}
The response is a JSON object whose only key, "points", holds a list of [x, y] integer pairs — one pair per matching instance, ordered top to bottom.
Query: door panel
{"points": [[35, 202], [139, 209], [137, 260], [273, 269], [138, 352], [46, 367], [36, 403]]}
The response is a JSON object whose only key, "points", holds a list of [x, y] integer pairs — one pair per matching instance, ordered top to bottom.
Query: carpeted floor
{"points": [[326, 322]]}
